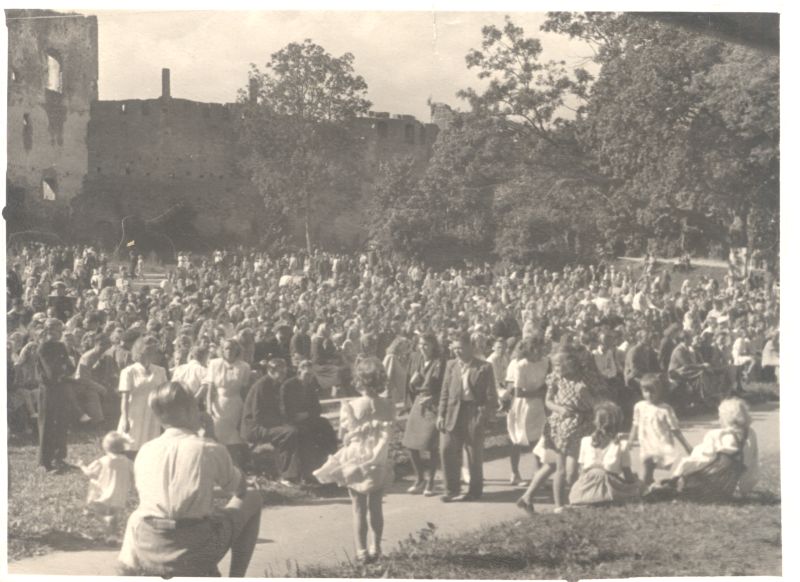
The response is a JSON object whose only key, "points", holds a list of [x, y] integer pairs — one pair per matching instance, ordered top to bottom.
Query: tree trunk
{"points": [[308, 234]]}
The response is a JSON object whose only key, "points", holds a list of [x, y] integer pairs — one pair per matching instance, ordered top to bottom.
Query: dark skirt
{"points": [[421, 433], [716, 481], [598, 486]]}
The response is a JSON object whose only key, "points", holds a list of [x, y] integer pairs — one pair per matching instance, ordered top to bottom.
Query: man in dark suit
{"points": [[468, 397]]}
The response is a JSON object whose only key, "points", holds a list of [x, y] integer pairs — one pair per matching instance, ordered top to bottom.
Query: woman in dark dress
{"points": [[421, 434]]}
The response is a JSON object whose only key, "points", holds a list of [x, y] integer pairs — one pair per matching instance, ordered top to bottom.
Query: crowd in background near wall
{"points": [[328, 311]]}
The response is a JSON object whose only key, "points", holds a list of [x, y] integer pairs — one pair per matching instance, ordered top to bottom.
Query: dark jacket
{"points": [[481, 383], [262, 410]]}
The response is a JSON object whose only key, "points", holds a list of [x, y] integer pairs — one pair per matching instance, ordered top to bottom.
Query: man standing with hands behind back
{"points": [[468, 396]]}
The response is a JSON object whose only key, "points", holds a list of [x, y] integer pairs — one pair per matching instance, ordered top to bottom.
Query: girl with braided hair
{"points": [[605, 462]]}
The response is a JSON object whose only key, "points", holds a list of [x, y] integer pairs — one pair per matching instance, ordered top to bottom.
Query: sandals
{"points": [[416, 488]]}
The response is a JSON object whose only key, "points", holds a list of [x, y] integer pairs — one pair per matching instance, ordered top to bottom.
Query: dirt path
{"points": [[320, 531]]}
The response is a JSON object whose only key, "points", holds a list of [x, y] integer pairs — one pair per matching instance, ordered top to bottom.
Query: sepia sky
{"points": [[405, 57]]}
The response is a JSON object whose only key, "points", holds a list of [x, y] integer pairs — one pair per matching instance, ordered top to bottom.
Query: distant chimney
{"points": [[253, 91], [165, 94]]}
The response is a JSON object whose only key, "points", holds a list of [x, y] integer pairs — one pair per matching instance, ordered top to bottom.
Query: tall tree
{"points": [[294, 132]]}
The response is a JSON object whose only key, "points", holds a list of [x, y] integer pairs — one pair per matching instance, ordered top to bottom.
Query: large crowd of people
{"points": [[258, 341]]}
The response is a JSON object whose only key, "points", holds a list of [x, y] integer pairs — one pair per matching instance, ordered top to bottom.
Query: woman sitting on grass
{"points": [[726, 460], [605, 462], [363, 464]]}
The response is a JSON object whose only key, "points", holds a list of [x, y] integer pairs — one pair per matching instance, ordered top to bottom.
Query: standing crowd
{"points": [[220, 369]]}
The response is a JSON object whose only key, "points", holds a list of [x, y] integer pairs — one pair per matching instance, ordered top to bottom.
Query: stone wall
{"points": [[52, 80]]}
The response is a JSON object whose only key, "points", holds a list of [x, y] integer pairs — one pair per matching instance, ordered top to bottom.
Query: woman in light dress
{"points": [[226, 382], [136, 383], [526, 388]]}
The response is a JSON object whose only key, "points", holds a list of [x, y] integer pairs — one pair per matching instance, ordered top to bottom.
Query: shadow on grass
{"points": [[66, 541]]}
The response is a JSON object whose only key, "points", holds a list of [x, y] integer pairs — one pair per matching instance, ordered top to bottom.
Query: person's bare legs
{"points": [[516, 452], [417, 464], [433, 466], [649, 469], [571, 470], [539, 477], [558, 481], [375, 500], [360, 521], [244, 541]]}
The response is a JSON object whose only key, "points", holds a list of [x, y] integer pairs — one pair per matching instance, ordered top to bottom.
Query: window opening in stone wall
{"points": [[54, 73], [383, 129], [410, 134], [49, 188]]}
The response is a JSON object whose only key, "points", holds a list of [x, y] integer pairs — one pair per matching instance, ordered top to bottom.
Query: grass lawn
{"points": [[655, 539]]}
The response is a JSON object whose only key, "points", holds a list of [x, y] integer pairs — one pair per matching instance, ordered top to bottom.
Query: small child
{"points": [[655, 426], [725, 461], [605, 462], [363, 464], [111, 479]]}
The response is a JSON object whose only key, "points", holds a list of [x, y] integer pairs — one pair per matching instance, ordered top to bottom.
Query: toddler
{"points": [[655, 427], [363, 464], [110, 481]]}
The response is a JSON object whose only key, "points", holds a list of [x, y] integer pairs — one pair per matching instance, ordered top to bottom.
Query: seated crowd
{"points": [[573, 357]]}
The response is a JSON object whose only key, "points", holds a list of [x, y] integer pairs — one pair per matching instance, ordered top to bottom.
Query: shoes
{"points": [[85, 418], [514, 480], [288, 483], [416, 488], [430, 491], [466, 497], [448, 498], [526, 506], [559, 509], [375, 553]]}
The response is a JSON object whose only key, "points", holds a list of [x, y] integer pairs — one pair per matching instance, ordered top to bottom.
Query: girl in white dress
{"points": [[136, 383], [656, 428], [726, 461], [605, 462], [363, 464]]}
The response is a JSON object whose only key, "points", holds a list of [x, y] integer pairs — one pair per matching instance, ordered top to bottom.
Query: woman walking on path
{"points": [[526, 388]]}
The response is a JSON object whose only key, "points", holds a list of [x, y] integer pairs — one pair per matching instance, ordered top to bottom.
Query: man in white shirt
{"points": [[176, 531]]}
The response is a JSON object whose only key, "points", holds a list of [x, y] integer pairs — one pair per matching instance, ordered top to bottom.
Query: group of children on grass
{"points": [[724, 462]]}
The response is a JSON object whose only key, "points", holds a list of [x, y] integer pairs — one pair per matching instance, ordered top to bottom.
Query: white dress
{"points": [[227, 384], [526, 417], [656, 423], [143, 425], [722, 440]]}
